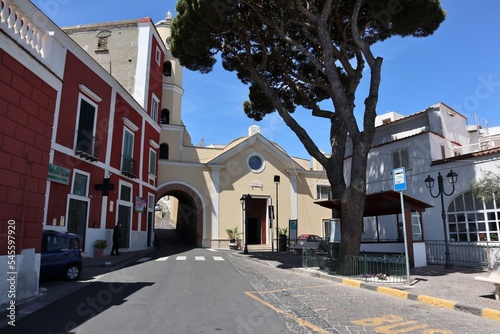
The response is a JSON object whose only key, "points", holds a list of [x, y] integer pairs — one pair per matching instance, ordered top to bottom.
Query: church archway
{"points": [[188, 214]]}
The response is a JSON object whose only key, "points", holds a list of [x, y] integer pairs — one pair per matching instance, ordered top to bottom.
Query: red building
{"points": [[78, 149]]}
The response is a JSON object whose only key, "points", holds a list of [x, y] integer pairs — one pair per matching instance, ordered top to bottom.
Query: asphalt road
{"points": [[175, 290], [188, 290]]}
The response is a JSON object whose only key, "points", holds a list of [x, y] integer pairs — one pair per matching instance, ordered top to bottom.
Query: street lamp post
{"points": [[277, 182], [429, 183], [243, 201]]}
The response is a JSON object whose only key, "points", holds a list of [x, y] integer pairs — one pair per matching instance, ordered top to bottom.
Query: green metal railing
{"points": [[381, 269]]}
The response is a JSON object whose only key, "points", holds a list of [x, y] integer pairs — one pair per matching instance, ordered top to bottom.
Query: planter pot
{"points": [[282, 243], [98, 252]]}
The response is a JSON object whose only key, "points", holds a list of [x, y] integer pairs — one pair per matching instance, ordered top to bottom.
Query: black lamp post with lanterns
{"points": [[277, 182], [429, 183], [243, 200]]}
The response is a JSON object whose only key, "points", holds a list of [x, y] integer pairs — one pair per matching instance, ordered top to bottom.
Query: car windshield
{"points": [[55, 242]]}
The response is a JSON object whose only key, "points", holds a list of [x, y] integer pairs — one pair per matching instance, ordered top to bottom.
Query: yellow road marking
{"points": [[295, 318]]}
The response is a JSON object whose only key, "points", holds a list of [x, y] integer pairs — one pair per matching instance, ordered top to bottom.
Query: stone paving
{"points": [[457, 285], [328, 305], [334, 307]]}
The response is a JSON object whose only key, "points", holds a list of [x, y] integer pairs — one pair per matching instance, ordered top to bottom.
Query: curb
{"points": [[122, 261], [429, 300]]}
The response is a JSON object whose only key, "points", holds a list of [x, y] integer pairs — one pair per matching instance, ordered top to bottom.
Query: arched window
{"points": [[167, 68], [165, 116], [163, 151], [471, 219]]}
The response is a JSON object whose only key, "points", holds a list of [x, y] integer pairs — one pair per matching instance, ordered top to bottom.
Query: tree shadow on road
{"points": [[282, 260]]}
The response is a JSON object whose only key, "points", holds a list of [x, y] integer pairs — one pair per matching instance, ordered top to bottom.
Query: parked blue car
{"points": [[61, 255]]}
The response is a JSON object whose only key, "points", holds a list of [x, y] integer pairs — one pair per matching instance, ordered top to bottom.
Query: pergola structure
{"points": [[387, 203]]}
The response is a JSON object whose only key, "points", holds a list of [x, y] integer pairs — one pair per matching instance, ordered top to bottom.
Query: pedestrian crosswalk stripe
{"points": [[181, 258]]}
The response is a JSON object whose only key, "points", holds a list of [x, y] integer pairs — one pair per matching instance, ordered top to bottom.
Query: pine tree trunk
{"points": [[352, 211]]}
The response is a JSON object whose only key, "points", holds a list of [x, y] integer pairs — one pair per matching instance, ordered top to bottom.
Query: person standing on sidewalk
{"points": [[116, 239]]}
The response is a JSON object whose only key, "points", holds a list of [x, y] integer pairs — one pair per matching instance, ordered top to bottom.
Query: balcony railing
{"points": [[33, 32], [29, 33], [87, 146], [129, 166]]}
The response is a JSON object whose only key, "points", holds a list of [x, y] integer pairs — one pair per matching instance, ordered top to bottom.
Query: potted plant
{"points": [[233, 236], [282, 238], [99, 247]]}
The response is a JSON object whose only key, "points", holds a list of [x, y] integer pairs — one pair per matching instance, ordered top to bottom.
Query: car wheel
{"points": [[72, 272]]}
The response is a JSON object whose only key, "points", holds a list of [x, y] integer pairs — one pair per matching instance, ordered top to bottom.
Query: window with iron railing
{"points": [[86, 144], [128, 163], [129, 166]]}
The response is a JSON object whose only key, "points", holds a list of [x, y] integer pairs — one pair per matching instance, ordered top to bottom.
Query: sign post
{"points": [[399, 181], [271, 217]]}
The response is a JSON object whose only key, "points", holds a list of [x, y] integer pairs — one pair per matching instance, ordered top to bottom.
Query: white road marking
{"points": [[182, 258], [144, 259]]}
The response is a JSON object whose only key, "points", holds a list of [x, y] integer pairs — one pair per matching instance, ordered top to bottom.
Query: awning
{"points": [[380, 204]]}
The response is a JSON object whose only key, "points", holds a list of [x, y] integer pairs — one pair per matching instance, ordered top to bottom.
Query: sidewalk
{"points": [[115, 261], [454, 288]]}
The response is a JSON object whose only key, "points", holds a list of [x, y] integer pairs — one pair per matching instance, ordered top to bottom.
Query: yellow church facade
{"points": [[250, 183], [206, 184]]}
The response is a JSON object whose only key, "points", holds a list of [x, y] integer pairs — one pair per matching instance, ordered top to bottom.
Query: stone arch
{"points": [[190, 214]]}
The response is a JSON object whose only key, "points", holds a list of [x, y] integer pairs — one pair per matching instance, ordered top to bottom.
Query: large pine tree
{"points": [[307, 54]]}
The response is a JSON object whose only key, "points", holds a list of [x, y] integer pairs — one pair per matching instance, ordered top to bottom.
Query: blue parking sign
{"points": [[399, 179]]}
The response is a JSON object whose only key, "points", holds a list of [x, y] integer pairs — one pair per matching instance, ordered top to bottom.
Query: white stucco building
{"points": [[435, 140]]}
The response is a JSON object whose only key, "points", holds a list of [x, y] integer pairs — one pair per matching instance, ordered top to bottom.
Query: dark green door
{"points": [[124, 218], [77, 219], [150, 227]]}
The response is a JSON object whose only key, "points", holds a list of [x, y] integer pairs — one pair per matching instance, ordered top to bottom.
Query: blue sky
{"points": [[459, 65]]}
